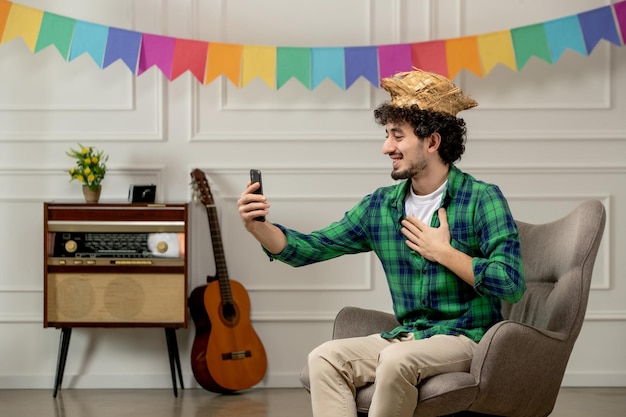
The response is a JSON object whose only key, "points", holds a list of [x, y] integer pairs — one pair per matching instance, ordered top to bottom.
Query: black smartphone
{"points": [[255, 176]]}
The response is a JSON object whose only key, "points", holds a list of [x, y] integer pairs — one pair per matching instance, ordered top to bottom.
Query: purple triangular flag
{"points": [[620, 13], [156, 50], [393, 59]]}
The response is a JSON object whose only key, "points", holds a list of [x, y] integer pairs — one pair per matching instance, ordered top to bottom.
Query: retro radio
{"points": [[115, 265]]}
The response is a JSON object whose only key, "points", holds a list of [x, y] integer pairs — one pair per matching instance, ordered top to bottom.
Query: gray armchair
{"points": [[520, 362]]}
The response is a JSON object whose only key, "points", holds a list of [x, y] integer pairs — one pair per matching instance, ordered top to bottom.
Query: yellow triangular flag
{"points": [[25, 22], [495, 48], [259, 61]]}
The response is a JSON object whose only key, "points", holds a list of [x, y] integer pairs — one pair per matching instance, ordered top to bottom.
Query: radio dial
{"points": [[71, 246], [162, 247]]}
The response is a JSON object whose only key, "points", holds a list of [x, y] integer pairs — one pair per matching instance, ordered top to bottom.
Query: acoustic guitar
{"points": [[227, 354]]}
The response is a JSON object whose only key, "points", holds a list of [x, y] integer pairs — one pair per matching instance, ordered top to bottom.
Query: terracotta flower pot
{"points": [[91, 196]]}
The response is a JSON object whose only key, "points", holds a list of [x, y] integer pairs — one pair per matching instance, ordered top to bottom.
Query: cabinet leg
{"points": [[64, 344], [174, 357]]}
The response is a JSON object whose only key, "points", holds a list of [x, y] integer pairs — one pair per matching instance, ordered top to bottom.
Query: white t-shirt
{"points": [[424, 206]]}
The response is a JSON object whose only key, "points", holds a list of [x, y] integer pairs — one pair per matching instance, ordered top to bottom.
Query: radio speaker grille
{"points": [[115, 298]]}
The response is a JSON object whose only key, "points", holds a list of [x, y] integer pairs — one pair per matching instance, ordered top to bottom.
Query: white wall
{"points": [[551, 136]]}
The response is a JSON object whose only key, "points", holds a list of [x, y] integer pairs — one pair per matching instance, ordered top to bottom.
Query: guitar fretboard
{"points": [[218, 251]]}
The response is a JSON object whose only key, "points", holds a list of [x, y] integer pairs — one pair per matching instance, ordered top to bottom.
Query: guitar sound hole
{"points": [[229, 313]]}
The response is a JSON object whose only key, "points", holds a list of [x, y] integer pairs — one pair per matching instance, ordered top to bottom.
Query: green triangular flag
{"points": [[56, 30], [530, 41], [293, 62]]}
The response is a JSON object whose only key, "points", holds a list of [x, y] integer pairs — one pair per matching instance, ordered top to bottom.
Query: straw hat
{"points": [[428, 90]]}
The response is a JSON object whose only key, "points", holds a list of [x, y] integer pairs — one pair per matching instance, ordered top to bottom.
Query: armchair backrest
{"points": [[558, 262]]}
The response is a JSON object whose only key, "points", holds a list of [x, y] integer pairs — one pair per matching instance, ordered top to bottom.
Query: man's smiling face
{"points": [[406, 151]]}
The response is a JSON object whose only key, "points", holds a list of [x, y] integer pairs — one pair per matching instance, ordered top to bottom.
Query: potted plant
{"points": [[89, 169]]}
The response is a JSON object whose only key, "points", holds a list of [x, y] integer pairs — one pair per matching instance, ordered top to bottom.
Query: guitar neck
{"points": [[218, 252]]}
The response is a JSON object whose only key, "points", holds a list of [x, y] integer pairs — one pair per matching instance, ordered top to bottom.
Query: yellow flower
{"points": [[90, 165]]}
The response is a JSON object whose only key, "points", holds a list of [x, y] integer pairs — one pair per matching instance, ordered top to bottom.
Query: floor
{"points": [[293, 402]]}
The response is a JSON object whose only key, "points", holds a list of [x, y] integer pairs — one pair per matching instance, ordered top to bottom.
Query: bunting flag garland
{"points": [[310, 66]]}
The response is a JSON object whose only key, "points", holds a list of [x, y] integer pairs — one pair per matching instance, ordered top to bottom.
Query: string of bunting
{"points": [[344, 65]]}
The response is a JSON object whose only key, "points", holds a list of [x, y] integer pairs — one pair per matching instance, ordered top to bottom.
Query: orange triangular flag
{"points": [[5, 8], [496, 48], [463, 53], [224, 59]]}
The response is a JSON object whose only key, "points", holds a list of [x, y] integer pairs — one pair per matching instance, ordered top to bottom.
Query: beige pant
{"points": [[338, 367]]}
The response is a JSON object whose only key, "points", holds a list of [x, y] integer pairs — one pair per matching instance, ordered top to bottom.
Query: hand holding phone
{"points": [[255, 176]]}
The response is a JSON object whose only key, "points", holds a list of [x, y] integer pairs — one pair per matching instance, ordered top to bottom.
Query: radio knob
{"points": [[71, 246], [162, 247]]}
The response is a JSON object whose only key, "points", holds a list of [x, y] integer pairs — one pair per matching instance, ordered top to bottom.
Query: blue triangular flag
{"points": [[598, 24], [565, 34], [89, 38], [122, 44], [361, 61], [327, 63]]}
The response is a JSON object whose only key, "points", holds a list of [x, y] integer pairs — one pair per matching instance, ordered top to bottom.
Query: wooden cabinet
{"points": [[115, 265]]}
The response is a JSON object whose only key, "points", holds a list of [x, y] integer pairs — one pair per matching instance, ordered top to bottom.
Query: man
{"points": [[447, 242]]}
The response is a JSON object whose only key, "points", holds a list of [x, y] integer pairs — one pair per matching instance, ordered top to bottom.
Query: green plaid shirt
{"points": [[428, 299]]}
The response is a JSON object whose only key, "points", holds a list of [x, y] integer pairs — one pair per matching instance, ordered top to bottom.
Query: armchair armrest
{"points": [[354, 321], [533, 355]]}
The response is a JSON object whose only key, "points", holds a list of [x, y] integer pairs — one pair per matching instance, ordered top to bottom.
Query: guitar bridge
{"points": [[242, 354]]}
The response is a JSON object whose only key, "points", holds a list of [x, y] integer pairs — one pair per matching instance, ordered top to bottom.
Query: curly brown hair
{"points": [[426, 122]]}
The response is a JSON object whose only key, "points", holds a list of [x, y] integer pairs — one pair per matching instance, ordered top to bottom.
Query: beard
{"points": [[415, 169]]}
